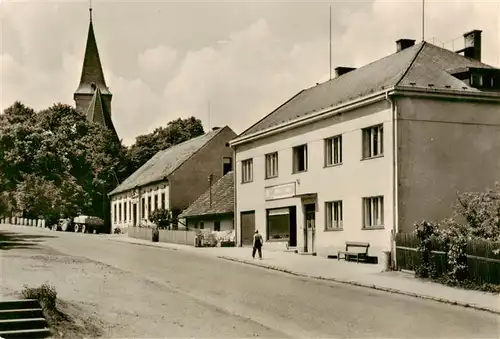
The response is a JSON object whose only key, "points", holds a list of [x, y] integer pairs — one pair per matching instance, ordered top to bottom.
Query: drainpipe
{"points": [[394, 178], [235, 214]]}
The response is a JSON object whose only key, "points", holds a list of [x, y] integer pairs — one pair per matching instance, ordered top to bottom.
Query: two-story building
{"points": [[371, 151], [172, 179]]}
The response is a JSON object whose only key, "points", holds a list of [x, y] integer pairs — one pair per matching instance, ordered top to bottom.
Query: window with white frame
{"points": [[373, 141], [333, 150], [300, 158], [271, 165], [247, 170], [163, 201], [156, 202], [125, 211], [120, 212], [373, 212], [114, 213], [334, 215]]}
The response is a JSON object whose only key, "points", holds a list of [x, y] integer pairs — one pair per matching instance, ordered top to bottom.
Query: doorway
{"points": [[134, 214], [247, 227], [293, 227], [309, 227]]}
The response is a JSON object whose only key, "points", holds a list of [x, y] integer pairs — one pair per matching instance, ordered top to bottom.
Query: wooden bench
{"points": [[360, 251]]}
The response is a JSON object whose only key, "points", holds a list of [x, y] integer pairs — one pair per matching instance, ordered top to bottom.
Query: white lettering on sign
{"points": [[280, 191]]}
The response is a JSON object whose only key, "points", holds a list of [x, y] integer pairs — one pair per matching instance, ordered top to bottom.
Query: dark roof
{"points": [[416, 66], [92, 68], [98, 113], [165, 162], [222, 199]]}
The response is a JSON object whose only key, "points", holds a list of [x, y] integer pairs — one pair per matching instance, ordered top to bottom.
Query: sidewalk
{"points": [[340, 271]]}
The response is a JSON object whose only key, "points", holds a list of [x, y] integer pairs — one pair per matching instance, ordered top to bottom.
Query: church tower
{"points": [[92, 96]]}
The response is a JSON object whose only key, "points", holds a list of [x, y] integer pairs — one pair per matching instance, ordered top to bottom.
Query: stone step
{"points": [[19, 304], [21, 313], [22, 324], [22, 334]]}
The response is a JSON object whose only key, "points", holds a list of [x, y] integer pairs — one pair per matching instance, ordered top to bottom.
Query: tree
{"points": [[176, 132], [56, 163]]}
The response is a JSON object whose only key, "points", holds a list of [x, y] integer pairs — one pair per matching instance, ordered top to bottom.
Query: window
{"points": [[373, 141], [333, 151], [300, 158], [227, 165], [271, 165], [247, 170], [163, 201], [156, 202], [149, 205], [143, 208], [114, 212], [120, 212], [125, 212], [373, 212], [334, 215], [278, 224], [202, 225], [217, 225]]}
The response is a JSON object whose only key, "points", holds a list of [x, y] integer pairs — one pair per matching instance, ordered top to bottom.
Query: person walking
{"points": [[257, 244]]}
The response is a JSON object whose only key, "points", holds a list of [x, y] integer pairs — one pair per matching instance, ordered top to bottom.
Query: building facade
{"points": [[370, 152], [173, 179]]}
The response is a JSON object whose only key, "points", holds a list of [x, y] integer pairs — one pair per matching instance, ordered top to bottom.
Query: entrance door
{"points": [[134, 214], [247, 227], [293, 227], [309, 227]]}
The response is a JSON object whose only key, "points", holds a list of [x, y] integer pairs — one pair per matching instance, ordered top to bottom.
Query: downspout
{"points": [[394, 179], [235, 210]]}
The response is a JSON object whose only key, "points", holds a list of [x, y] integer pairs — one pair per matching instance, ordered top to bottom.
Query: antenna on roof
{"points": [[423, 20], [330, 42], [209, 115]]}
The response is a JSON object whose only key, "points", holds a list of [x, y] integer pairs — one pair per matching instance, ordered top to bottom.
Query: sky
{"points": [[226, 62]]}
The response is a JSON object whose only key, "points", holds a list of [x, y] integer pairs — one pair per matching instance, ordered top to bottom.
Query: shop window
{"points": [[278, 224]]}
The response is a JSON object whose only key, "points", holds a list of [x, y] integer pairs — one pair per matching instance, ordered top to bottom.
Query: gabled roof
{"points": [[416, 66], [92, 68], [98, 113], [165, 162], [222, 199]]}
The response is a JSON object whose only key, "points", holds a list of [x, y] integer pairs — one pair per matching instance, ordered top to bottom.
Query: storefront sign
{"points": [[280, 191]]}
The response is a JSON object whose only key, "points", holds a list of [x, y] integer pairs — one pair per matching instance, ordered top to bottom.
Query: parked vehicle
{"points": [[88, 224]]}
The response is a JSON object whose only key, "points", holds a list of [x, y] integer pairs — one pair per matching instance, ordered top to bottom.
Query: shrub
{"points": [[161, 217], [117, 230], [425, 232], [45, 294]]}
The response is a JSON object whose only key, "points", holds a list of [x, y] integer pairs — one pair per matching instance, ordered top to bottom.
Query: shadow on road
{"points": [[12, 240]]}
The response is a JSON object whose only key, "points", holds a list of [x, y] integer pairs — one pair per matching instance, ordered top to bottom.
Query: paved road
{"points": [[178, 294]]}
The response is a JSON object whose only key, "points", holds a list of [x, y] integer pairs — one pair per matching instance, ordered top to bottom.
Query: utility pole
{"points": [[210, 178]]}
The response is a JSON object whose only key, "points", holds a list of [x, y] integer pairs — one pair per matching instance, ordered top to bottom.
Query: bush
{"points": [[161, 217], [117, 230], [45, 294]]}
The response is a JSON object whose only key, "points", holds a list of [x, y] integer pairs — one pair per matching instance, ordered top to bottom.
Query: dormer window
{"points": [[481, 78]]}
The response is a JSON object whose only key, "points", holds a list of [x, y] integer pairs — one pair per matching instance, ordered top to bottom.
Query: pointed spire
{"points": [[90, 10], [92, 68], [97, 111]]}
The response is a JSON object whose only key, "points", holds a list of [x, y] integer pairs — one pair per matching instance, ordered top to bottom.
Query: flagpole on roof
{"points": [[423, 20], [330, 42]]}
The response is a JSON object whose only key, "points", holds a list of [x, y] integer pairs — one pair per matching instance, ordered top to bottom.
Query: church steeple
{"points": [[92, 84]]}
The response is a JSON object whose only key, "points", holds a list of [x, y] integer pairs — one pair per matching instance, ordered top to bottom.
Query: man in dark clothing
{"points": [[257, 244]]}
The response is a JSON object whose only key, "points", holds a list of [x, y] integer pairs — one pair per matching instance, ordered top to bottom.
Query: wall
{"points": [[444, 147], [190, 180], [349, 182], [131, 197], [226, 222]]}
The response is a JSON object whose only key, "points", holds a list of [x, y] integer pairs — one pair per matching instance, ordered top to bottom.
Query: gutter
{"points": [[308, 119], [394, 170]]}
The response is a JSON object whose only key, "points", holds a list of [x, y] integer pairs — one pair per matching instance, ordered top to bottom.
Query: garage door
{"points": [[247, 227]]}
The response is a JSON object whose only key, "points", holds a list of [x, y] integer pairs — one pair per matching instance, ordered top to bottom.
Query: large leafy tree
{"points": [[176, 132], [56, 163]]}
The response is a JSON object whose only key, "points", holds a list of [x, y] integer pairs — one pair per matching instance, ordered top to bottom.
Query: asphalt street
{"points": [[175, 293]]}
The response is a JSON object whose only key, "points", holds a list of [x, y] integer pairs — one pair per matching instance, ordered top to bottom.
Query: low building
{"points": [[371, 151], [172, 179], [214, 209]]}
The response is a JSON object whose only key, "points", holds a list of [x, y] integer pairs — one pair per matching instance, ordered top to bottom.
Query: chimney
{"points": [[472, 41], [402, 44], [342, 70], [215, 128]]}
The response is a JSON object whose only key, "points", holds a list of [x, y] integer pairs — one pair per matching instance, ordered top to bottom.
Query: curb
{"points": [[143, 244], [375, 287]]}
